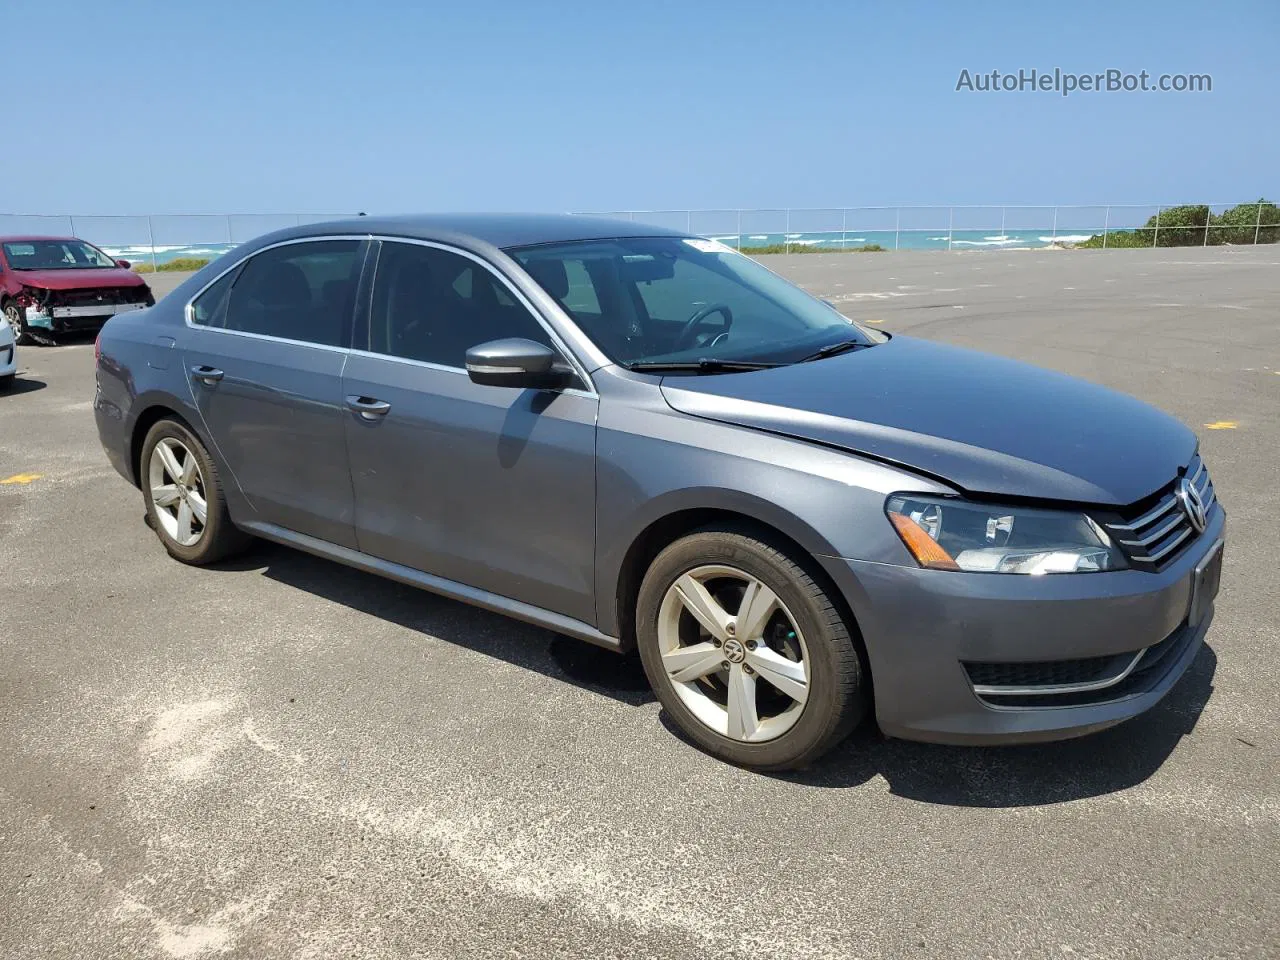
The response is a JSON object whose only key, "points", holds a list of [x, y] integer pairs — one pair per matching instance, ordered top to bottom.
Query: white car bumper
{"points": [[8, 351]]}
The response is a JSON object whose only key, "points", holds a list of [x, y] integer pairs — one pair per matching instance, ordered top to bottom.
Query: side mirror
{"points": [[125, 264], [519, 363]]}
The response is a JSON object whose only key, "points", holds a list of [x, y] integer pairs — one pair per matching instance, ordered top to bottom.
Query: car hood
{"points": [[79, 279], [986, 424]]}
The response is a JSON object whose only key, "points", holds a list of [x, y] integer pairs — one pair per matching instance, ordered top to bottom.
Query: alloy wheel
{"points": [[14, 315], [177, 491], [733, 653]]}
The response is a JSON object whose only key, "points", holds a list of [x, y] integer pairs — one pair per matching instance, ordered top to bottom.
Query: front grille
{"points": [[97, 296], [1159, 535], [1134, 678]]}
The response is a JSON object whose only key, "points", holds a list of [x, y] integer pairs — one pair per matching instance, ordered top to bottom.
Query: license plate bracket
{"points": [[1206, 580]]}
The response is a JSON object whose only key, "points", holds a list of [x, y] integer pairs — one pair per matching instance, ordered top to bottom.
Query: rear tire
{"points": [[6, 382], [184, 499], [746, 652]]}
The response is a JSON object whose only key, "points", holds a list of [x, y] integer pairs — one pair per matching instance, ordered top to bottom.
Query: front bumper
{"points": [[61, 319], [921, 628]]}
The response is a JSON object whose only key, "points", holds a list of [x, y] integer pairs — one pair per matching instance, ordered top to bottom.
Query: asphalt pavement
{"points": [[281, 757]]}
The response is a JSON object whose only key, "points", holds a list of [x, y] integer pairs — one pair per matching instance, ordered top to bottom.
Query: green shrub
{"points": [[1244, 222], [1180, 226], [1184, 226], [1118, 238], [811, 248], [190, 264]]}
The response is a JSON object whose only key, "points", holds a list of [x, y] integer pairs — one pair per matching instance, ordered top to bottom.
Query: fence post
{"points": [[1207, 218], [71, 221], [688, 221], [951, 221], [1002, 223], [897, 225], [1055, 225], [1106, 227], [1257, 227], [739, 229], [844, 229], [786, 236], [151, 238], [230, 238], [1155, 240]]}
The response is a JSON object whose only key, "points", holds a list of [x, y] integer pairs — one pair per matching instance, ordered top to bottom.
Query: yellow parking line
{"points": [[1221, 425], [22, 478]]}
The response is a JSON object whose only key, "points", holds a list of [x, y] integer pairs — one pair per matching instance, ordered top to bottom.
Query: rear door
{"points": [[265, 356], [492, 487]]}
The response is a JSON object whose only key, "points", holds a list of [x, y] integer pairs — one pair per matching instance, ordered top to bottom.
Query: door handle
{"points": [[206, 375], [368, 407]]}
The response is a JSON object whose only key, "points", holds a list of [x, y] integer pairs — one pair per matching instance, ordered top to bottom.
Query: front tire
{"points": [[21, 335], [6, 382], [183, 492], [746, 652]]}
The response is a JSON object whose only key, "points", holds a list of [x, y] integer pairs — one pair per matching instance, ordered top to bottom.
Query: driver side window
{"points": [[433, 305]]}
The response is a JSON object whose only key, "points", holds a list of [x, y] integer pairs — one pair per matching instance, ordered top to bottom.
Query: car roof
{"points": [[495, 229], [31, 238]]}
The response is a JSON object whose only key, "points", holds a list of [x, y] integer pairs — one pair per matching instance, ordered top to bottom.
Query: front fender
{"points": [[829, 502]]}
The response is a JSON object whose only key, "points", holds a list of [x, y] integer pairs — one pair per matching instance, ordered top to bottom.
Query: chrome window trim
{"points": [[568, 353]]}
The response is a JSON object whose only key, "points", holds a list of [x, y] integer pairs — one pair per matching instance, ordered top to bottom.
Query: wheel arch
{"points": [[152, 414], [763, 520]]}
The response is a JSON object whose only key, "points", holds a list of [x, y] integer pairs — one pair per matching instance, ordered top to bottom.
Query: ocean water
{"points": [[910, 239], [829, 240], [164, 253]]}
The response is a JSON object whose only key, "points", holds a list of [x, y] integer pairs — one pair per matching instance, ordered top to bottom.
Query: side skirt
{"points": [[445, 588]]}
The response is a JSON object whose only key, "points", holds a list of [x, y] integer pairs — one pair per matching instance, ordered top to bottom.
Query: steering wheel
{"points": [[684, 339]]}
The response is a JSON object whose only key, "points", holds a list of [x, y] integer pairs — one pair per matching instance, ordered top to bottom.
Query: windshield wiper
{"points": [[831, 349], [700, 366]]}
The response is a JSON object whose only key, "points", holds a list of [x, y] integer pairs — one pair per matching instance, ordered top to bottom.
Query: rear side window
{"points": [[300, 291], [433, 305], [210, 308]]}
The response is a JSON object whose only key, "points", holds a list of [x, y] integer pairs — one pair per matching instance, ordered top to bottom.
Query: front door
{"points": [[265, 359], [492, 487]]}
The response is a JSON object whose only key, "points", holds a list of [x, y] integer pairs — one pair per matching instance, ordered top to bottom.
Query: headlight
{"points": [[945, 534]]}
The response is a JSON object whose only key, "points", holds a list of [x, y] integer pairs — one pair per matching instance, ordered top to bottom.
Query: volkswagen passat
{"points": [[646, 440]]}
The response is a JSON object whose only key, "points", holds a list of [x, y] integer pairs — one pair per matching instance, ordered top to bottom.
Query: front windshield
{"points": [[55, 255], [655, 300]]}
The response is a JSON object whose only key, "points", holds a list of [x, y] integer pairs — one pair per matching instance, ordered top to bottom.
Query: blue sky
{"points": [[116, 106]]}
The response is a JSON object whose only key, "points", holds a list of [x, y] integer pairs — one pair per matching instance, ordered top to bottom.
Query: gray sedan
{"points": [[649, 441]]}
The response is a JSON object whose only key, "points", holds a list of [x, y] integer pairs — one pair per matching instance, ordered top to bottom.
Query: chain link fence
{"points": [[975, 227], [155, 240], [152, 241]]}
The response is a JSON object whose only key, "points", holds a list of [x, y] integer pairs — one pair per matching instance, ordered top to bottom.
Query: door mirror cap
{"points": [[124, 264], [519, 363]]}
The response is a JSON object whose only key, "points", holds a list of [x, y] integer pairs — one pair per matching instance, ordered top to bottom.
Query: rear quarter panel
{"points": [[139, 368]]}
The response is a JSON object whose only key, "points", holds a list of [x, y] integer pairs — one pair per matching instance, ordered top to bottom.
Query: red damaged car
{"points": [[53, 285]]}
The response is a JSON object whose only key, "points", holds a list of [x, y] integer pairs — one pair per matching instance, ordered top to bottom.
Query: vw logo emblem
{"points": [[1192, 505], [734, 651]]}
